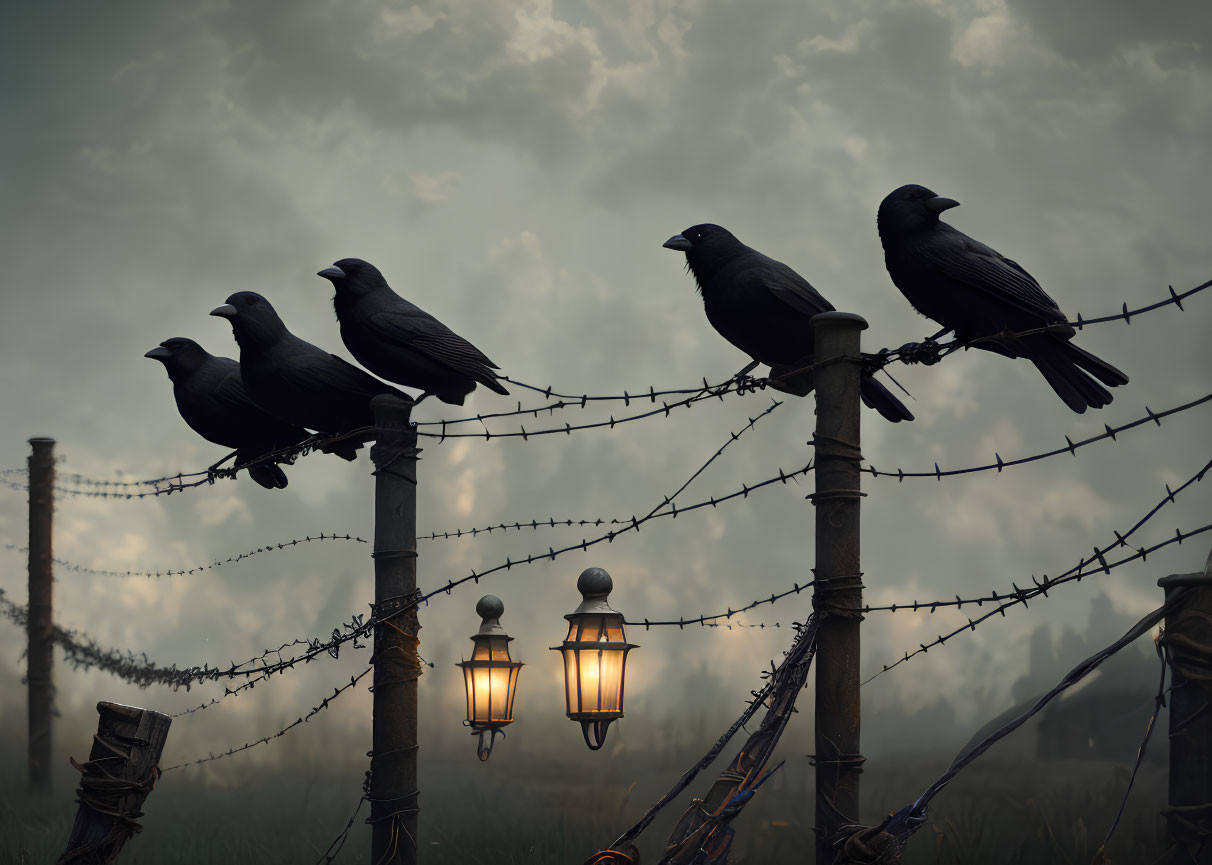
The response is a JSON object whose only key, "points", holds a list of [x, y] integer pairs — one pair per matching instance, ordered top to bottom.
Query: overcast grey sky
{"points": [[513, 168]]}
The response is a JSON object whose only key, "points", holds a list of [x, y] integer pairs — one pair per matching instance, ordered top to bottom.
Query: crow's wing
{"points": [[970, 262], [787, 285], [409, 325], [319, 373], [227, 392]]}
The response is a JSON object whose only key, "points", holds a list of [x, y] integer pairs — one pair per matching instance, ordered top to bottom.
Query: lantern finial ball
{"points": [[594, 583], [490, 607]]}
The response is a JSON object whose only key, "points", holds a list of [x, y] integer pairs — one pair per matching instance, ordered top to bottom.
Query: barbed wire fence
{"points": [[83, 651]]}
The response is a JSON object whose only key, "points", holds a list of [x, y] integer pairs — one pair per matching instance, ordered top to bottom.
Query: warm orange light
{"points": [[595, 659], [490, 677]]}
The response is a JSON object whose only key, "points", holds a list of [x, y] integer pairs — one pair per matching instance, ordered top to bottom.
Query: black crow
{"points": [[976, 292], [763, 307], [401, 342], [296, 381], [212, 400]]}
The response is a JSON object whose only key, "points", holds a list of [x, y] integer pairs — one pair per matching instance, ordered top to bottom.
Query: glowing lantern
{"points": [[595, 659], [491, 677]]}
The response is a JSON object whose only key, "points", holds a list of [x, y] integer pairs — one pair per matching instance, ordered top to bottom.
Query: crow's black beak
{"points": [[938, 204], [678, 242], [332, 273], [224, 311], [159, 353]]}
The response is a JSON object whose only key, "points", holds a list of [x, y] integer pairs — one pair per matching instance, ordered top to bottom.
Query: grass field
{"points": [[536, 813]]}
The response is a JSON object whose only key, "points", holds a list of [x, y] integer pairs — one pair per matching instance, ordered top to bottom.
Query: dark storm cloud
{"points": [[1088, 30], [514, 168]]}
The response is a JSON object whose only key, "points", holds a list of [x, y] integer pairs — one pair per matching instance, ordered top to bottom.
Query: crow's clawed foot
{"points": [[928, 352], [749, 384]]}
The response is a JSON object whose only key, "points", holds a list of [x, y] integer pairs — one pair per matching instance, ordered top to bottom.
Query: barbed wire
{"points": [[930, 352], [705, 392], [580, 401], [1070, 447], [900, 474], [169, 484], [1121, 540], [74, 567], [1041, 587], [1018, 595], [712, 621], [358, 627], [83, 652], [258, 669], [782, 683], [324, 704], [896, 829]]}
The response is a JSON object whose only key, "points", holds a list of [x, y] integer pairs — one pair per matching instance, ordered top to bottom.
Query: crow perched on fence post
{"points": [[981, 295], [763, 307], [400, 341], [296, 381], [211, 398]]}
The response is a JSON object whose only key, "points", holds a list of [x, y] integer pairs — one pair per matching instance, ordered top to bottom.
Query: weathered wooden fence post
{"points": [[838, 593], [39, 628], [1188, 639], [393, 762], [120, 773]]}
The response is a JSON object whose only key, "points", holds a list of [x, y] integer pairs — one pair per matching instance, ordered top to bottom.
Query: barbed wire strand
{"points": [[930, 352], [736, 384], [704, 393], [576, 401], [1070, 447], [999, 465], [74, 567], [1041, 587], [1025, 594], [259, 669], [1159, 703], [324, 704], [903, 823]]}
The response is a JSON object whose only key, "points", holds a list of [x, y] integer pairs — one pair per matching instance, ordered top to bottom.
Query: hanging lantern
{"points": [[595, 659], [491, 677]]}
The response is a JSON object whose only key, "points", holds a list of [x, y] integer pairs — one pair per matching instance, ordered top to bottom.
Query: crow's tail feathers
{"points": [[1063, 365], [1096, 366], [787, 380], [490, 381], [873, 394], [878, 397], [268, 475]]}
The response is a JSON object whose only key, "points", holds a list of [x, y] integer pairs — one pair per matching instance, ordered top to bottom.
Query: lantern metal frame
{"points": [[593, 616], [490, 640]]}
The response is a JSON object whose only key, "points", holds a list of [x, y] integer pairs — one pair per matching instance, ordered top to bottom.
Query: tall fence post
{"points": [[838, 593], [39, 629], [1188, 640], [393, 763]]}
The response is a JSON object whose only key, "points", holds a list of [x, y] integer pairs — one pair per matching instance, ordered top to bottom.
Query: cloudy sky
{"points": [[513, 168]]}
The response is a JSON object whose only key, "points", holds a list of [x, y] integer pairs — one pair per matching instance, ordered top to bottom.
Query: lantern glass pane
{"points": [[611, 674], [468, 682], [513, 686], [572, 696]]}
